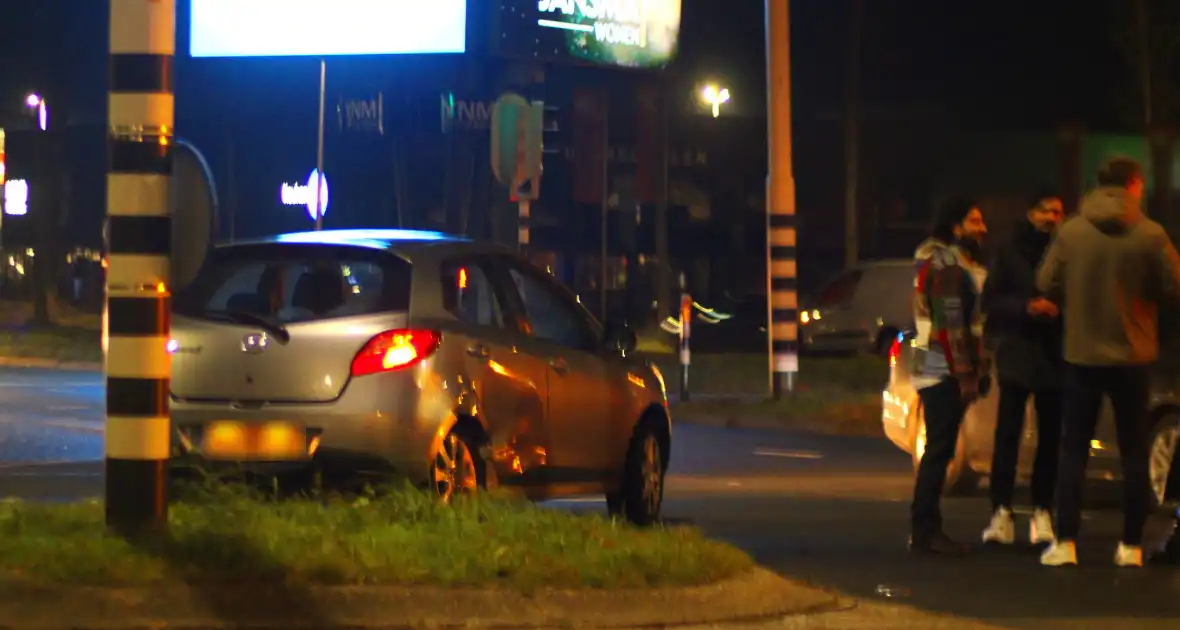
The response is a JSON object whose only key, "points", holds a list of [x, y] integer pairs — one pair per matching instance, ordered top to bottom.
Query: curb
{"points": [[50, 364], [757, 595]]}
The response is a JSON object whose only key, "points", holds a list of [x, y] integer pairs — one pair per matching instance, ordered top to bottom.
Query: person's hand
{"points": [[1042, 307]]}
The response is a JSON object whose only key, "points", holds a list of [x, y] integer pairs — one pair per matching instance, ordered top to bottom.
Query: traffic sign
{"points": [[516, 144]]}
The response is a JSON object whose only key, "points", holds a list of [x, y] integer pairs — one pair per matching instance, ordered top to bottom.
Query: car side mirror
{"points": [[619, 337]]}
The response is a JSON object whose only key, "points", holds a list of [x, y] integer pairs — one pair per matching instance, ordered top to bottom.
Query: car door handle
{"points": [[479, 351], [559, 365]]}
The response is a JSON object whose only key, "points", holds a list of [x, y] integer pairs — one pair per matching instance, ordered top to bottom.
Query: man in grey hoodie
{"points": [[1110, 268]]}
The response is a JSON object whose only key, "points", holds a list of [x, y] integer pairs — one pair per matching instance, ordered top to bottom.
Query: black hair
{"points": [[1119, 170], [1040, 195], [951, 213]]}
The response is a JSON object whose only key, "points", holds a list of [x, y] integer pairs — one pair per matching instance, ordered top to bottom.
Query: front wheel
{"points": [[641, 494]]}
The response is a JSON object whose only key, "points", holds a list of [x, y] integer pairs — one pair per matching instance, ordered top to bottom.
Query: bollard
{"points": [[685, 334]]}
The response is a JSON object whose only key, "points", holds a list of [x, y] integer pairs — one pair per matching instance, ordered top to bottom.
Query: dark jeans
{"points": [[1127, 387], [943, 408], [1006, 450]]}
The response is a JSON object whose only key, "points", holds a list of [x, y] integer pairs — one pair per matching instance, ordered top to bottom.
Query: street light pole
{"points": [[319, 152], [139, 246], [781, 286]]}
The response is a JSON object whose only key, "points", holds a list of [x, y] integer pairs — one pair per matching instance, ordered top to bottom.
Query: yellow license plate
{"points": [[254, 441]]}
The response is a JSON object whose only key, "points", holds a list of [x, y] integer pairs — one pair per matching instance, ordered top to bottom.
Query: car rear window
{"points": [[290, 283]]}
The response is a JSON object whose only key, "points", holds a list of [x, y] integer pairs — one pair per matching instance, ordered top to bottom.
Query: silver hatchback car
{"points": [[456, 364], [904, 423]]}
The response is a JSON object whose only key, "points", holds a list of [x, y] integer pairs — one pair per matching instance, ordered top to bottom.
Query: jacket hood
{"points": [[1111, 210]]}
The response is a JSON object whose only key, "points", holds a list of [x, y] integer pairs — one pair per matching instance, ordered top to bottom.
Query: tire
{"points": [[1163, 460], [457, 468], [959, 476], [641, 494]]}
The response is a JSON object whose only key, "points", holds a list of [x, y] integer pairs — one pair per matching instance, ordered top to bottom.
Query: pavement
{"points": [[827, 510]]}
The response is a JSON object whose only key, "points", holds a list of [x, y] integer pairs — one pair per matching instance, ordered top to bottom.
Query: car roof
{"points": [[402, 242]]}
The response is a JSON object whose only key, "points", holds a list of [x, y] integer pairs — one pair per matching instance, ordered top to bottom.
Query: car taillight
{"points": [[395, 350], [894, 352]]}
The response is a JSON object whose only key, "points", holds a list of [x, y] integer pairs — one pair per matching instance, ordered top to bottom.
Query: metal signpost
{"points": [[516, 153], [782, 299], [138, 367]]}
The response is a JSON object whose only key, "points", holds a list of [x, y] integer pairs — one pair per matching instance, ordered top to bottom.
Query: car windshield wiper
{"points": [[242, 317]]}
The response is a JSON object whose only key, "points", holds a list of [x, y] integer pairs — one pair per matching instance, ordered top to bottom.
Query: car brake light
{"points": [[395, 350], [894, 352]]}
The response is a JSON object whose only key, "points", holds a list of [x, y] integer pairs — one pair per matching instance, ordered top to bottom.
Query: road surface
{"points": [[826, 509]]}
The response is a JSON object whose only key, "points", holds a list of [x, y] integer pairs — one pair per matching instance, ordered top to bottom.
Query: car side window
{"points": [[469, 295], [551, 316]]}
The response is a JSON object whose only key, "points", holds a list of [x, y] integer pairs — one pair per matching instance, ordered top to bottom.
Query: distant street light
{"points": [[715, 96], [34, 101]]}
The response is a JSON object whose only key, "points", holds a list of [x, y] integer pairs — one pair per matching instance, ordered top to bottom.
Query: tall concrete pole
{"points": [[139, 245], [782, 297]]}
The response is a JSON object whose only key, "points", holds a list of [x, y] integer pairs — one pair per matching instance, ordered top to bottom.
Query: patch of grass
{"points": [[57, 343], [747, 374], [826, 410], [399, 537]]}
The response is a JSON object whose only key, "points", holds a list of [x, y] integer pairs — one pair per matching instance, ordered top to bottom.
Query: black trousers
{"points": [[1085, 386], [943, 407], [1006, 450]]}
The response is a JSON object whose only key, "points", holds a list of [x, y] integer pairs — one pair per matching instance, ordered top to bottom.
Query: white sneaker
{"points": [[1040, 528], [1001, 529], [1060, 553], [1128, 556]]}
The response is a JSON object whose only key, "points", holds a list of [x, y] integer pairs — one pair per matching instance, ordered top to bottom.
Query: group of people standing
{"points": [[1068, 313]]}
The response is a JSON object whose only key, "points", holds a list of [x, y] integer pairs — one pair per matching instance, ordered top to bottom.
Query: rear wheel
{"points": [[1161, 462], [457, 468], [641, 494]]}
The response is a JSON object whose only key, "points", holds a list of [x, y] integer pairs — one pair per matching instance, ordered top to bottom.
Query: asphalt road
{"points": [[829, 510]]}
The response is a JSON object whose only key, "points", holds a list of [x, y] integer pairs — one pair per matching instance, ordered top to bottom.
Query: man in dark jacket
{"points": [[1111, 269], [1025, 328]]}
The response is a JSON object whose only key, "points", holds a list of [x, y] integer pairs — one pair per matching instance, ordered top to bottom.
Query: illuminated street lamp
{"points": [[715, 96], [35, 101]]}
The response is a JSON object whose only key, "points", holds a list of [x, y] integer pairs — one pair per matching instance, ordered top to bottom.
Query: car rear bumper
{"points": [[387, 419]]}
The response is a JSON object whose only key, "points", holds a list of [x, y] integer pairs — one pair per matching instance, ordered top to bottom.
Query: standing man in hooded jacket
{"points": [[1110, 269], [1026, 330]]}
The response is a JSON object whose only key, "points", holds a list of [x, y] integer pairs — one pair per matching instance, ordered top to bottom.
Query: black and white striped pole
{"points": [[139, 244], [782, 298], [685, 337]]}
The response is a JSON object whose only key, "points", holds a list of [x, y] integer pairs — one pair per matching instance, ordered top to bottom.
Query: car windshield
{"points": [[273, 285]]}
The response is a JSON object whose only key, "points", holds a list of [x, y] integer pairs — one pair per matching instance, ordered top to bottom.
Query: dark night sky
{"points": [[1011, 62]]}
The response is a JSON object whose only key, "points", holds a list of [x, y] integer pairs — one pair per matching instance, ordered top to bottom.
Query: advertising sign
{"points": [[282, 28], [626, 33], [305, 194], [16, 197]]}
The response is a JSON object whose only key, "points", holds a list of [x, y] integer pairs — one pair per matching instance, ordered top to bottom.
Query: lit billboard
{"points": [[320, 28], [625, 33]]}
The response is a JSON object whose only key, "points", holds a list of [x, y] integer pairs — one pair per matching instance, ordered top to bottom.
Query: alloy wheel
{"points": [[1162, 454], [453, 471], [653, 474]]}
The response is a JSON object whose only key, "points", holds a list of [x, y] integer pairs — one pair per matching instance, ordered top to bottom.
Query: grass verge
{"points": [[56, 343], [747, 374], [834, 395], [830, 412], [402, 537]]}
